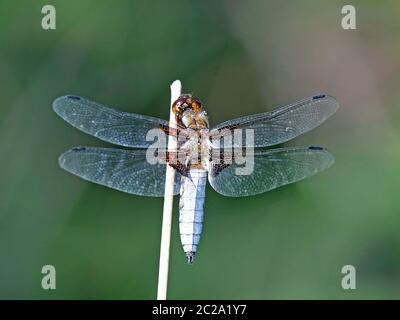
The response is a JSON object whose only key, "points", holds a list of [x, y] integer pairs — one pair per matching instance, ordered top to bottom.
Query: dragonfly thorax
{"points": [[196, 149]]}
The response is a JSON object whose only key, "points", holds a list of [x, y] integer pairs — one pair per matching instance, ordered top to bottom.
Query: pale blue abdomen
{"points": [[191, 210]]}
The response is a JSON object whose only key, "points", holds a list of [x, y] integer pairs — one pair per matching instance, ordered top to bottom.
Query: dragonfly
{"points": [[199, 155]]}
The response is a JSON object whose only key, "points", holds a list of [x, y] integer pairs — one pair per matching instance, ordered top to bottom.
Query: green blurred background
{"points": [[238, 57]]}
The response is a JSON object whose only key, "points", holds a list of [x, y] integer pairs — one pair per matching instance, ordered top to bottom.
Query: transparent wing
{"points": [[282, 124], [120, 128], [272, 169], [124, 170]]}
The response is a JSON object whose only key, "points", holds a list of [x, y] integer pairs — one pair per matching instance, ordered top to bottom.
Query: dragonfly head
{"points": [[189, 112]]}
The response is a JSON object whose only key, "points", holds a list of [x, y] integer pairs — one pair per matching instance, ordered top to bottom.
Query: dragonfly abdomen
{"points": [[191, 210]]}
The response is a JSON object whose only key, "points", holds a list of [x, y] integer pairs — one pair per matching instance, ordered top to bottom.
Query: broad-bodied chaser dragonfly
{"points": [[199, 152]]}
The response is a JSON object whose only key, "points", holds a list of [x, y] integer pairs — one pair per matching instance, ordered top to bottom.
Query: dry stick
{"points": [[176, 88]]}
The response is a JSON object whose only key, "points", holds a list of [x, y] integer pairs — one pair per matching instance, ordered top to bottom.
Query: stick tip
{"points": [[176, 85]]}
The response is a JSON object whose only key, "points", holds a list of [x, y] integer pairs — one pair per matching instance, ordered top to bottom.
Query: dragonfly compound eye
{"points": [[185, 103], [196, 105]]}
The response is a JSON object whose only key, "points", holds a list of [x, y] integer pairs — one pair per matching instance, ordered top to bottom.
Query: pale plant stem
{"points": [[176, 88]]}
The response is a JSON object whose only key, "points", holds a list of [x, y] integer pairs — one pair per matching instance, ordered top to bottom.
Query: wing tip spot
{"points": [[73, 97], [331, 99], [59, 103], [315, 148], [62, 157]]}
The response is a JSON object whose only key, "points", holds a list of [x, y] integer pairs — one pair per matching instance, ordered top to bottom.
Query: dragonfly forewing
{"points": [[107, 124], [282, 124]]}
